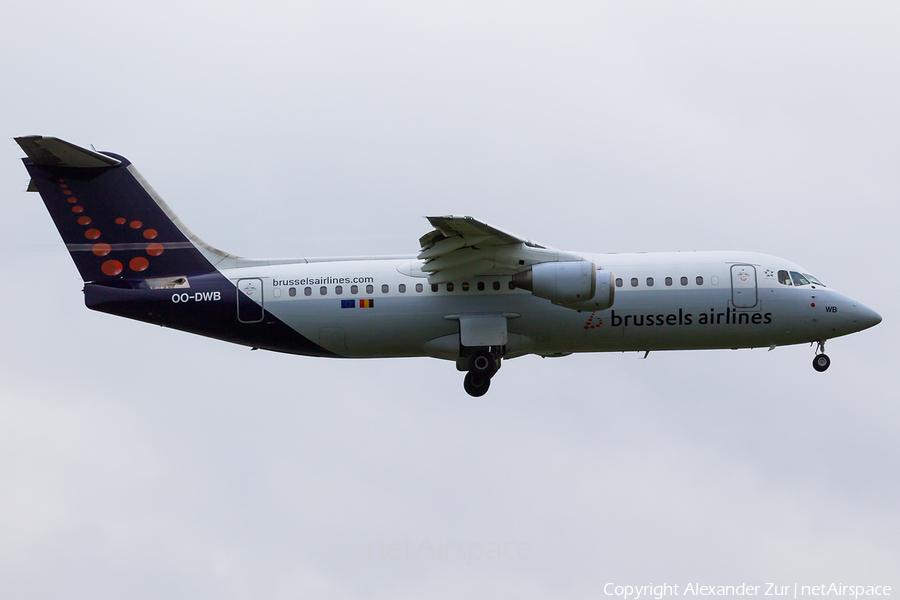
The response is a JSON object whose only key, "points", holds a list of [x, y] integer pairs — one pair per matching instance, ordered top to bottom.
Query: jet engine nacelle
{"points": [[574, 284]]}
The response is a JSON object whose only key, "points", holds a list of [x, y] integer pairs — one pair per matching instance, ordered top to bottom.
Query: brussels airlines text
{"points": [[729, 317]]}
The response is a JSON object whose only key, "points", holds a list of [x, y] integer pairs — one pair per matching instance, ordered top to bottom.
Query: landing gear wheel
{"points": [[821, 362], [483, 363], [476, 384]]}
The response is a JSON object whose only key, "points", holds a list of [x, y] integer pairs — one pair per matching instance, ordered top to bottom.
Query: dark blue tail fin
{"points": [[112, 222]]}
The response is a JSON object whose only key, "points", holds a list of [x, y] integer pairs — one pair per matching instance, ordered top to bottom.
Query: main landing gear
{"points": [[821, 361], [481, 364]]}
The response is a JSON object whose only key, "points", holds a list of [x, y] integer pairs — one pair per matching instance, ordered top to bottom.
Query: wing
{"points": [[461, 247]]}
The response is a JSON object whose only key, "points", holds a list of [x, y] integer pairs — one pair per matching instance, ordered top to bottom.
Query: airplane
{"points": [[474, 294]]}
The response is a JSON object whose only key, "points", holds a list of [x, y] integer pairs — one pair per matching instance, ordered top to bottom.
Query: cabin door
{"points": [[743, 286], [250, 300]]}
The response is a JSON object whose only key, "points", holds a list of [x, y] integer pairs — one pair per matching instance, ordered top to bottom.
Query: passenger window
{"points": [[784, 278], [799, 279], [699, 280], [714, 280], [668, 281], [684, 281], [618, 282], [634, 282], [649, 282], [511, 285], [465, 286], [480, 286], [496, 286], [419, 287], [434, 287], [449, 287], [385, 288], [401, 288], [354, 289], [370, 289], [323, 290], [338, 290], [307, 291], [276, 292], [292, 292]]}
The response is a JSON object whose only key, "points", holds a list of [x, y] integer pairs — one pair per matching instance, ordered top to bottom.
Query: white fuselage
{"points": [[663, 301]]}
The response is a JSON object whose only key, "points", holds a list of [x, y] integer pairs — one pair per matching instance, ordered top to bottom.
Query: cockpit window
{"points": [[795, 278], [799, 279], [813, 279]]}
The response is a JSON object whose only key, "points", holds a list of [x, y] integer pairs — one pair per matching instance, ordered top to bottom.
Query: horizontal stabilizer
{"points": [[54, 152]]}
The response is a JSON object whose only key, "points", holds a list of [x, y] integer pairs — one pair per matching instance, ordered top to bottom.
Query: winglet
{"points": [[54, 152]]}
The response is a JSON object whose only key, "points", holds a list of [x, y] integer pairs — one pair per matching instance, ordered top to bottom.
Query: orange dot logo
{"points": [[64, 186], [67, 192], [72, 199], [77, 209], [84, 220], [120, 221], [135, 224], [92, 234], [150, 234], [101, 249], [154, 249], [139, 263], [111, 268]]}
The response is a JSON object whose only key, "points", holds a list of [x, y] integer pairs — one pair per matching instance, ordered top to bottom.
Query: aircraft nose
{"points": [[867, 317]]}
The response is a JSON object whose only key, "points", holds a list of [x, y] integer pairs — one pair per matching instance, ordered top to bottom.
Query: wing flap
{"points": [[443, 246], [453, 259], [473, 269]]}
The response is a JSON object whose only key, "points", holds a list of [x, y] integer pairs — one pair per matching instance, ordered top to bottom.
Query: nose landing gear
{"points": [[821, 362], [482, 365]]}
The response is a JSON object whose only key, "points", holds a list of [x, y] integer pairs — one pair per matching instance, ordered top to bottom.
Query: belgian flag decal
{"points": [[365, 303]]}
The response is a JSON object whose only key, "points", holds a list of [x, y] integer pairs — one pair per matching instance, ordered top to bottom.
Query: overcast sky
{"points": [[138, 462]]}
